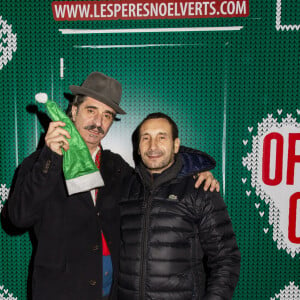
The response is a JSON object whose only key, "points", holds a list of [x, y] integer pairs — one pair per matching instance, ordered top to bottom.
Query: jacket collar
{"points": [[187, 162], [155, 180]]}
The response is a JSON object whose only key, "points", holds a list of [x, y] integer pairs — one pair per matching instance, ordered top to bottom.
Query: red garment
{"points": [[105, 250]]}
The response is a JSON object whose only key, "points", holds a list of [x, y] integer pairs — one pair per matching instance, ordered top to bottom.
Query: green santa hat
{"points": [[81, 173]]}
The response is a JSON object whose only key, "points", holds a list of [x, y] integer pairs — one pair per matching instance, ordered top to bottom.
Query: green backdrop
{"points": [[230, 84]]}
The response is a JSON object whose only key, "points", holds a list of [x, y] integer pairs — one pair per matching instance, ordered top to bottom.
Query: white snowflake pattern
{"points": [[8, 43], [3, 194], [278, 208], [290, 292], [5, 294]]}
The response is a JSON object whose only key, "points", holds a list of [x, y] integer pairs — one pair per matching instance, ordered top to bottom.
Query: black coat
{"points": [[177, 242], [68, 260]]}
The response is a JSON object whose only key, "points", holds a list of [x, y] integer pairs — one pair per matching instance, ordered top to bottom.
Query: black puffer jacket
{"points": [[177, 241]]}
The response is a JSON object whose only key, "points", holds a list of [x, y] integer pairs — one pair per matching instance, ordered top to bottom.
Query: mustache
{"points": [[92, 127]]}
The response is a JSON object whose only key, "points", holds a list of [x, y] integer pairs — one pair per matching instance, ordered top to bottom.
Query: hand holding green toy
{"points": [[80, 171]]}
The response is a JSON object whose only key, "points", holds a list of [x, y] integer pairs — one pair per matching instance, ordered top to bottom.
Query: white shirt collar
{"points": [[95, 153]]}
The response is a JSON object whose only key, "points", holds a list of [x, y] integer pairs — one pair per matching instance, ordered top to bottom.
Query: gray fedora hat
{"points": [[102, 88]]}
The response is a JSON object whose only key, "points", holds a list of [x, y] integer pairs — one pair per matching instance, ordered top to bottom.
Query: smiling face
{"points": [[92, 119], [156, 145]]}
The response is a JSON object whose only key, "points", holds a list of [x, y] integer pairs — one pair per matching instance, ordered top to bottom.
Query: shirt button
{"points": [[46, 166], [95, 248], [106, 273], [92, 282]]}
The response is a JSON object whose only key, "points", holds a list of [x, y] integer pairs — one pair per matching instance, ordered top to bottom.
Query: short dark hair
{"points": [[77, 101], [160, 115], [135, 138]]}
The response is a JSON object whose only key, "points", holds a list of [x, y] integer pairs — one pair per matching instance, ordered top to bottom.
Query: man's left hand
{"points": [[210, 183]]}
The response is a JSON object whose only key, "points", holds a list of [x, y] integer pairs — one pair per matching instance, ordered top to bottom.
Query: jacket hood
{"points": [[195, 161]]}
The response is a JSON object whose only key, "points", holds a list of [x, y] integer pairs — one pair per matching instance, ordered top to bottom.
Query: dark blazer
{"points": [[68, 256]]}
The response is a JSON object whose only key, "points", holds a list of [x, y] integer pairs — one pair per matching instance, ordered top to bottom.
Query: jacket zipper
{"points": [[143, 268]]}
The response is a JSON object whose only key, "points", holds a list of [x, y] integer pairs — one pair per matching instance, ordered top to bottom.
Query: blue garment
{"points": [[107, 275]]}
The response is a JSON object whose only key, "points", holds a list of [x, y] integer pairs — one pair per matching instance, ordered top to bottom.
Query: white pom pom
{"points": [[41, 97]]}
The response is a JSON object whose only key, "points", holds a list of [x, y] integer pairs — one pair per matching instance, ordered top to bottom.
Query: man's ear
{"points": [[74, 112], [176, 145]]}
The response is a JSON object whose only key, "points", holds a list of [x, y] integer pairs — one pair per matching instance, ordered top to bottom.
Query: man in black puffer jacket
{"points": [[177, 242]]}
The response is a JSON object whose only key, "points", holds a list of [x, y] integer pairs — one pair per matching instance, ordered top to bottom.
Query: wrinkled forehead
{"points": [[96, 104]]}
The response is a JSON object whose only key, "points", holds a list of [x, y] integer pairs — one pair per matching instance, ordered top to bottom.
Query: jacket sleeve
{"points": [[35, 183], [220, 247]]}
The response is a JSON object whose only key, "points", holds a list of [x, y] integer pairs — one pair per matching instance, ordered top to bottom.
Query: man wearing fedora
{"points": [[78, 236]]}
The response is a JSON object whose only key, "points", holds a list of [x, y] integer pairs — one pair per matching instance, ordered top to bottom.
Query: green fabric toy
{"points": [[81, 173]]}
